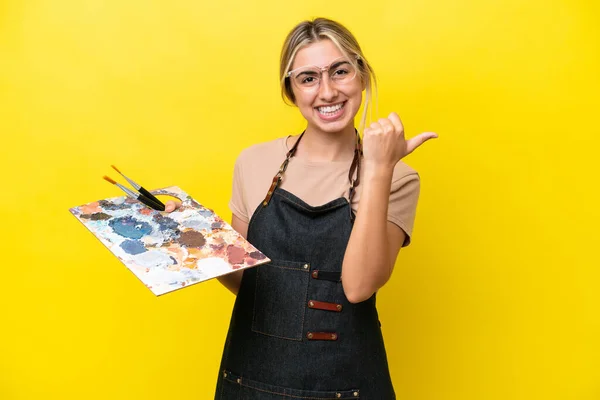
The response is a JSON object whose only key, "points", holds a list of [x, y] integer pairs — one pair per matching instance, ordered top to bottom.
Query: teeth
{"points": [[330, 109]]}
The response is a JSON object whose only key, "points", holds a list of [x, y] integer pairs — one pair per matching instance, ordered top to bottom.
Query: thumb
{"points": [[418, 140], [171, 205]]}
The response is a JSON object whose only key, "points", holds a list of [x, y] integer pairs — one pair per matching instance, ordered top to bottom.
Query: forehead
{"points": [[320, 53]]}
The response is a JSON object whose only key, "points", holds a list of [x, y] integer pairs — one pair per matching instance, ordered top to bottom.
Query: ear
{"points": [[363, 81], [290, 89]]}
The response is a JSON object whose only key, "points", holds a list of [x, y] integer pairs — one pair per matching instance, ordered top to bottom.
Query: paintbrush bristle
{"points": [[115, 168], [110, 180]]}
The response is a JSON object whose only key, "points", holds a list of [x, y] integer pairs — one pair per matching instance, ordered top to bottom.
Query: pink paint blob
{"points": [[235, 254]]}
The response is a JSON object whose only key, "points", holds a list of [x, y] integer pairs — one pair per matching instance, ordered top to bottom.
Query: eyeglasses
{"points": [[308, 78]]}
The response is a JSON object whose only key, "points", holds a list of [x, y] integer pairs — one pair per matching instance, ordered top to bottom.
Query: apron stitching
{"points": [[307, 209], [293, 269], [280, 337], [242, 383], [288, 395]]}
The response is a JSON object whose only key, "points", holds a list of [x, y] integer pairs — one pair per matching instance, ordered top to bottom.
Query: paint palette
{"points": [[168, 251]]}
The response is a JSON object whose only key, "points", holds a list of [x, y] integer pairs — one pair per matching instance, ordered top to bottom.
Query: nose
{"points": [[327, 90]]}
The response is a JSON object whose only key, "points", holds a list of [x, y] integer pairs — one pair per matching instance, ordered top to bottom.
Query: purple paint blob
{"points": [[108, 205], [165, 223], [216, 225], [133, 247], [257, 255]]}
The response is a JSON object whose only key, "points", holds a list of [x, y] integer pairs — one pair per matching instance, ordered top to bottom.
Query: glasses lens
{"points": [[342, 72], [306, 78]]}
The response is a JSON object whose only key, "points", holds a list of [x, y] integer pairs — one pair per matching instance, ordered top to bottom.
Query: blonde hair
{"points": [[308, 32]]}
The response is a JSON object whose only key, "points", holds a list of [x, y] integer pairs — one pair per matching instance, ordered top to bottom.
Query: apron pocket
{"points": [[280, 299], [230, 389], [254, 390]]}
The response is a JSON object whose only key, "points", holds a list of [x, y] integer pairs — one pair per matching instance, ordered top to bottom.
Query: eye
{"points": [[341, 71], [307, 78]]}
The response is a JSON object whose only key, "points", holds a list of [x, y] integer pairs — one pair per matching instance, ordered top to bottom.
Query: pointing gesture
{"points": [[384, 143]]}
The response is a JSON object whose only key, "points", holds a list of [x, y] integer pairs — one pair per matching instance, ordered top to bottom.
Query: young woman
{"points": [[331, 212]]}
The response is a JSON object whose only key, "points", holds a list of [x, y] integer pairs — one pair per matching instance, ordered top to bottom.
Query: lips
{"points": [[331, 112]]}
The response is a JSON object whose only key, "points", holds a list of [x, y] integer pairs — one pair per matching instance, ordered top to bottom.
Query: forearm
{"points": [[367, 265], [231, 281]]}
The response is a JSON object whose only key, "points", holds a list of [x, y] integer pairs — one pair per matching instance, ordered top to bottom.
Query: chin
{"points": [[332, 127]]}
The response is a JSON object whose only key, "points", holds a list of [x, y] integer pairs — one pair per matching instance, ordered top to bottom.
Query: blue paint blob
{"points": [[205, 212], [165, 223], [197, 224], [130, 227], [133, 247]]}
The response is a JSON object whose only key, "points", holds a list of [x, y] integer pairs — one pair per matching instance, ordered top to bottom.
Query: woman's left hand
{"points": [[384, 143]]}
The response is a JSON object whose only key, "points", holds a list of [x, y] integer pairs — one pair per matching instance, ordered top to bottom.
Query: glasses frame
{"points": [[326, 68]]}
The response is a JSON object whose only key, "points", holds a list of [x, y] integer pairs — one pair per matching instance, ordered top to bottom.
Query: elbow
{"points": [[357, 291], [357, 295], [358, 299]]}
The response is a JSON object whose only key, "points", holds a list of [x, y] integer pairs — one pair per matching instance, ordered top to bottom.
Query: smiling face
{"points": [[331, 105]]}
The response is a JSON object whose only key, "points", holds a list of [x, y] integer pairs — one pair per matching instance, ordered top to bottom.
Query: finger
{"points": [[395, 120], [386, 125], [375, 126], [418, 140], [171, 205]]}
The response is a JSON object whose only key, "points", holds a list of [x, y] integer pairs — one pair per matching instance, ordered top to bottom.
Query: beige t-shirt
{"points": [[316, 183]]}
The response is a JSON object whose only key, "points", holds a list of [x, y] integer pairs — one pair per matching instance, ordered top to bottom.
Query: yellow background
{"points": [[498, 297]]}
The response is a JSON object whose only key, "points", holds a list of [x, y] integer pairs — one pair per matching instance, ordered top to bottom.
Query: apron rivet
{"points": [[305, 266], [311, 304], [339, 307], [309, 335], [334, 336], [225, 374], [239, 380], [355, 394], [338, 395]]}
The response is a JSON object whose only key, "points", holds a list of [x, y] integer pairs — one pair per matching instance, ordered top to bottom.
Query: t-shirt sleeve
{"points": [[237, 203], [402, 208]]}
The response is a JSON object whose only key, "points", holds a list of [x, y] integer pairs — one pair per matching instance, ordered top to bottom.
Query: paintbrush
{"points": [[139, 188], [138, 196]]}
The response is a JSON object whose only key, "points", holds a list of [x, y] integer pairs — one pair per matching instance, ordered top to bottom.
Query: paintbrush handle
{"points": [[150, 196], [140, 197], [151, 203]]}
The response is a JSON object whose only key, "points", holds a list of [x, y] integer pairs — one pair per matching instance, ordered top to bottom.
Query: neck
{"points": [[319, 146]]}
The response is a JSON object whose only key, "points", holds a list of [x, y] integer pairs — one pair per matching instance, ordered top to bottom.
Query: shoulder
{"points": [[263, 152], [253, 172], [404, 173]]}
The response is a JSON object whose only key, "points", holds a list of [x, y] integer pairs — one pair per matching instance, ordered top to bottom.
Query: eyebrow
{"points": [[337, 64], [333, 66], [309, 72]]}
